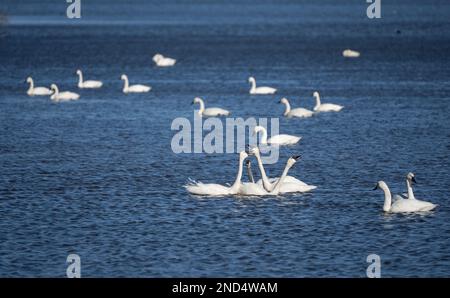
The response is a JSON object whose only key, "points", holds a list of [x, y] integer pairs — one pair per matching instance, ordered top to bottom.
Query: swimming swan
{"points": [[350, 53], [162, 61], [87, 84], [133, 88], [37, 90], [260, 90], [62, 96], [325, 107], [209, 112], [297, 112], [276, 139], [290, 184], [213, 189], [253, 189], [400, 205], [423, 205]]}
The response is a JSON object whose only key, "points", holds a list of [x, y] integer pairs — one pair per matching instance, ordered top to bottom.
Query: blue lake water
{"points": [[97, 177]]}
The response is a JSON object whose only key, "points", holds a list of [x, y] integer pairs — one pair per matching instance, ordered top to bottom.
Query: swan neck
{"points": [[80, 79], [253, 82], [125, 87], [30, 89], [317, 101], [202, 107], [288, 108], [263, 136], [250, 174], [237, 182], [266, 183], [277, 187], [410, 190], [387, 198]]}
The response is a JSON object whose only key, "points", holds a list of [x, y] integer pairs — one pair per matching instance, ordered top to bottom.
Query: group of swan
{"points": [[159, 60], [297, 112], [305, 113], [264, 187], [403, 203]]}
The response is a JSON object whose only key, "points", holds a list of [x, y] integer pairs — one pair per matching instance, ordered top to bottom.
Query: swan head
{"points": [[157, 57], [78, 72], [123, 77], [251, 79], [29, 80], [53, 87], [316, 94], [197, 100], [284, 100], [258, 129], [252, 150], [292, 160], [248, 163], [411, 177], [380, 184]]}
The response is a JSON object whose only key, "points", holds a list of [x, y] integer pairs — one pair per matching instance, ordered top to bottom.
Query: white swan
{"points": [[350, 53], [162, 61], [87, 84], [133, 88], [37, 90], [260, 90], [62, 96], [325, 107], [209, 112], [297, 112], [282, 139], [290, 184], [213, 189], [253, 189], [400, 205], [423, 205]]}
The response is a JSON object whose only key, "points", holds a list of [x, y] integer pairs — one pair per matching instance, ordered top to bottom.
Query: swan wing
{"points": [[42, 91], [329, 107], [215, 112], [300, 112], [283, 139]]}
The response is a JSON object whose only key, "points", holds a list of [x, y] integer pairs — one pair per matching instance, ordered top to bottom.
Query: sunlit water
{"points": [[98, 178]]}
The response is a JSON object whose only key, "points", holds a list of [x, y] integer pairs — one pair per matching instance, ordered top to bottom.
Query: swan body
{"points": [[350, 53], [162, 61], [87, 84], [133, 88], [260, 90], [32, 91], [62, 96], [325, 107], [209, 112], [297, 112], [282, 139], [290, 184], [213, 189], [401, 205]]}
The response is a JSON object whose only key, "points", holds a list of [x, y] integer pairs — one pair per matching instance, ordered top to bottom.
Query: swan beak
{"points": [[296, 157], [414, 180], [376, 187]]}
